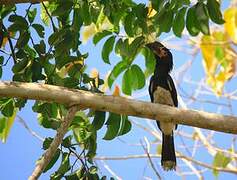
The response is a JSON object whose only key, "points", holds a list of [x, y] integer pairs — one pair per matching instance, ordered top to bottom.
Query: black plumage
{"points": [[162, 90]]}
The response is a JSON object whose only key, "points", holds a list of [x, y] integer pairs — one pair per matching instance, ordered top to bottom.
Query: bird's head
{"points": [[162, 54]]}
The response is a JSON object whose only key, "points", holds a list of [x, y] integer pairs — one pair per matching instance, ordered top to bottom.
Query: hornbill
{"points": [[162, 90]]}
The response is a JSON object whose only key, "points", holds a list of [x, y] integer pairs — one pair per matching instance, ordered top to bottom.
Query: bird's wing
{"points": [[151, 88]]}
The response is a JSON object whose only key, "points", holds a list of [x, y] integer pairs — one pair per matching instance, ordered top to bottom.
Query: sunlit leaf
{"points": [[230, 17], [88, 31], [100, 35], [219, 60], [116, 91], [6, 125], [220, 160]]}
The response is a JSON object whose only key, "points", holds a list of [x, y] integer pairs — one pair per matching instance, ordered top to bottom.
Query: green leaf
{"points": [[157, 4], [63, 8], [214, 11], [85, 13], [43, 14], [31, 15], [202, 18], [129, 19], [19, 20], [77, 20], [167, 21], [179, 22], [191, 22], [39, 29], [100, 35], [55, 37], [23, 40], [134, 47], [40, 48], [122, 48], [107, 49], [219, 53], [1, 60], [150, 61], [20, 65], [118, 69], [0, 71], [36, 71], [138, 77], [70, 82], [127, 82], [8, 108], [99, 119], [47, 122], [6, 125], [113, 126], [125, 126], [67, 141], [47, 142], [220, 160], [52, 161], [65, 164], [93, 170]]}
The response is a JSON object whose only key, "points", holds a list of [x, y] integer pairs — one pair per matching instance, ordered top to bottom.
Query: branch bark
{"points": [[119, 105], [47, 156]]}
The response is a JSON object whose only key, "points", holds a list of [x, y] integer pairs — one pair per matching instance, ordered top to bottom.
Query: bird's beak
{"points": [[149, 45]]}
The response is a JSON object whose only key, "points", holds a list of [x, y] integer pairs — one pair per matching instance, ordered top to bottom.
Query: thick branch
{"points": [[120, 105], [47, 156]]}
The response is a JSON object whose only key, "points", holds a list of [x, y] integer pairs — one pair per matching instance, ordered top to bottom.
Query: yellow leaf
{"points": [[151, 12], [230, 17], [88, 31], [5, 39], [218, 60], [95, 75], [105, 86], [116, 91], [8, 124]]}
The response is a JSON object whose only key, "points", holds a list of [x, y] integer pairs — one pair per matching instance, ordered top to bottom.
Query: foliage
{"points": [[55, 58]]}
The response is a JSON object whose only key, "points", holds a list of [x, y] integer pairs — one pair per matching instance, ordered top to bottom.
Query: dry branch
{"points": [[120, 105], [48, 155]]}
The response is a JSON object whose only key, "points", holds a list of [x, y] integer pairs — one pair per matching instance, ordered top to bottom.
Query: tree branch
{"points": [[119, 105], [61, 131], [233, 171]]}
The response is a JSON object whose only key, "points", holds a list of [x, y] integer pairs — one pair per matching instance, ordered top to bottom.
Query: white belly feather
{"points": [[163, 96]]}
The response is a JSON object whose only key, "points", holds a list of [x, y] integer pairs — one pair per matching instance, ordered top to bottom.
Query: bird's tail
{"points": [[168, 157]]}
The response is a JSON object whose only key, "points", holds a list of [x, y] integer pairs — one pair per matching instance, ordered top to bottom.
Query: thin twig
{"points": [[33, 133], [151, 163], [233, 171]]}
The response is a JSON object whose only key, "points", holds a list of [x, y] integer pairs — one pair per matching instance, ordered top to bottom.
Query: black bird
{"points": [[162, 90]]}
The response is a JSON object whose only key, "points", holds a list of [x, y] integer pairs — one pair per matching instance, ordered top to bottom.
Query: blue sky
{"points": [[19, 153]]}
